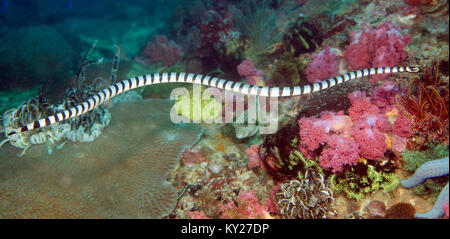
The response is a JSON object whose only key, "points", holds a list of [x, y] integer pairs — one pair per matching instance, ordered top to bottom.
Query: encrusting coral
{"points": [[122, 174]]}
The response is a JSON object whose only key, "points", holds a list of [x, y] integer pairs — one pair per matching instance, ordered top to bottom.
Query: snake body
{"points": [[158, 78]]}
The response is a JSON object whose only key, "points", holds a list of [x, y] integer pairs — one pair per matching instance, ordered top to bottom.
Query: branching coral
{"points": [[425, 102], [306, 198]]}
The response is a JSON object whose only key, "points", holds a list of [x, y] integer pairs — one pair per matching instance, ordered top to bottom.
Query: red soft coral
{"points": [[370, 47], [323, 65], [248, 70], [384, 96], [360, 105], [402, 127], [331, 130], [315, 132], [368, 132], [311, 137], [372, 144], [341, 151]]}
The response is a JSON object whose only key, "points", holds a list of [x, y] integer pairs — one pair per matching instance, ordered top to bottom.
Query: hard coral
{"points": [[369, 47], [323, 65], [95, 185]]}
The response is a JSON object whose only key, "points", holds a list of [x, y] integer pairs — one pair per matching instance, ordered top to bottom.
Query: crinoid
{"points": [[425, 102], [36, 111], [28, 112], [87, 127], [307, 198]]}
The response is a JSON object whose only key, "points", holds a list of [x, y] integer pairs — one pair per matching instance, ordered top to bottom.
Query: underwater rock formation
{"points": [[122, 174]]}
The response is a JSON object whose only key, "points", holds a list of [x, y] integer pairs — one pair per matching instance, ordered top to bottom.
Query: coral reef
{"points": [[340, 140], [341, 149], [431, 169], [108, 178], [247, 207]]}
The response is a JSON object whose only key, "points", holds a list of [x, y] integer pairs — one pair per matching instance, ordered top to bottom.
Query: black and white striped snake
{"points": [[237, 87]]}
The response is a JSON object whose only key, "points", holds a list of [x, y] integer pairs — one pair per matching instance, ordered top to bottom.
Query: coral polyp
{"points": [[236, 109]]}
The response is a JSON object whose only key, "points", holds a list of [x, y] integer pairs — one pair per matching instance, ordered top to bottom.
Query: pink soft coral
{"points": [[369, 47], [323, 65], [248, 70], [384, 96], [360, 105], [402, 127], [329, 130], [315, 132], [368, 132], [341, 151]]}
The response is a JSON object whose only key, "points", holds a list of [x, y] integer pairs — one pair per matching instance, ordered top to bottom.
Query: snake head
{"points": [[412, 69]]}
